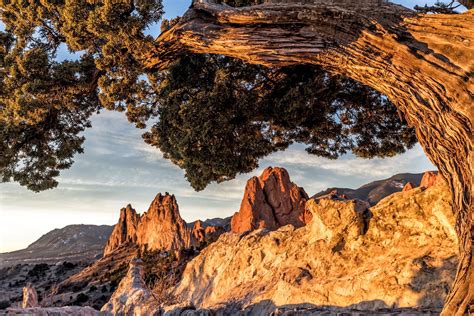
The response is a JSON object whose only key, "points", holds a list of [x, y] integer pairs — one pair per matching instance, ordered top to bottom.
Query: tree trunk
{"points": [[422, 63]]}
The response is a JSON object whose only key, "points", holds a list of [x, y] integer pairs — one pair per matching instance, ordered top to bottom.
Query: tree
{"points": [[422, 63], [46, 103], [226, 116]]}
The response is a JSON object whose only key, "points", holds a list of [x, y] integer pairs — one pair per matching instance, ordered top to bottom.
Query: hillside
{"points": [[72, 243]]}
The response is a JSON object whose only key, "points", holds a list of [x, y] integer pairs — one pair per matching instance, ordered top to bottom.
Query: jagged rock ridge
{"points": [[375, 191], [160, 228]]}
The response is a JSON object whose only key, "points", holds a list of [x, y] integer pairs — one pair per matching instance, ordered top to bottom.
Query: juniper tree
{"points": [[421, 62], [227, 115], [213, 116]]}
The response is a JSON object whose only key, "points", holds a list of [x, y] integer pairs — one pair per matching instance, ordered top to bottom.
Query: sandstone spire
{"points": [[429, 179], [408, 186], [271, 201], [162, 227], [125, 230]]}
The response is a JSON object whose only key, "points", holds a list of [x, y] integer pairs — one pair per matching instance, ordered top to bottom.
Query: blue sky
{"points": [[119, 168]]}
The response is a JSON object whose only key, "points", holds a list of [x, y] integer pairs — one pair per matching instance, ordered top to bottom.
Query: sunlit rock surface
{"points": [[271, 201], [399, 253], [132, 297]]}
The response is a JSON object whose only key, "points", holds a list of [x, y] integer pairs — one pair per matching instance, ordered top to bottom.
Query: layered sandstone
{"points": [[429, 179], [271, 201], [159, 228], [125, 230], [399, 253]]}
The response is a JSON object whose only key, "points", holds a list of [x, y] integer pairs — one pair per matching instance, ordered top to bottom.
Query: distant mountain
{"points": [[373, 192], [72, 243]]}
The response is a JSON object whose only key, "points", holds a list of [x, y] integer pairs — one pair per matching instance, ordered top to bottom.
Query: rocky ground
{"points": [[45, 277]]}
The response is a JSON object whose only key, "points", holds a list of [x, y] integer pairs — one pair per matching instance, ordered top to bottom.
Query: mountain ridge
{"points": [[73, 243]]}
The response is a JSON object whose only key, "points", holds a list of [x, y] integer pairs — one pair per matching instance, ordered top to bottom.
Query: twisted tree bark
{"points": [[422, 63]]}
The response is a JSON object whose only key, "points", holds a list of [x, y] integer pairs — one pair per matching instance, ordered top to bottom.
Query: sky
{"points": [[118, 168]]}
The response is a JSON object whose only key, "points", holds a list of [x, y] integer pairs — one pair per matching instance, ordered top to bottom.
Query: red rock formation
{"points": [[429, 179], [408, 186], [271, 201], [160, 228], [125, 230], [199, 232], [203, 233]]}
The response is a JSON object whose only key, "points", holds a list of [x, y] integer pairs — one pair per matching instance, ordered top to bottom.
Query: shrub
{"points": [[69, 265], [38, 270], [81, 298], [4, 304]]}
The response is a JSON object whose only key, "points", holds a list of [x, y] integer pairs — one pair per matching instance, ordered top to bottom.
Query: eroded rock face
{"points": [[429, 179], [408, 187], [271, 201], [160, 228], [125, 230], [202, 233], [399, 253], [30, 297], [132, 297]]}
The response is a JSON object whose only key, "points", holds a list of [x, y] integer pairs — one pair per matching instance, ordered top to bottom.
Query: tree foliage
{"points": [[45, 103], [213, 116], [226, 116]]}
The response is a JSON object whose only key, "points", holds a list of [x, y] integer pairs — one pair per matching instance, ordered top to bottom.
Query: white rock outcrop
{"points": [[399, 253], [132, 297]]}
